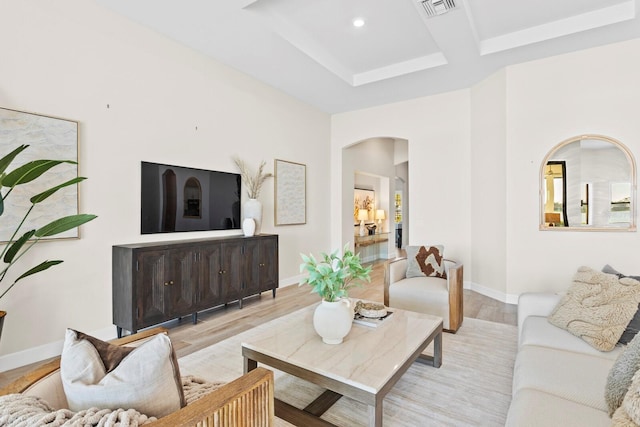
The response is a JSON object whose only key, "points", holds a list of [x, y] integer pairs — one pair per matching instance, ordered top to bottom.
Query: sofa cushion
{"points": [[425, 261], [597, 307], [536, 330], [621, 374], [572, 376], [146, 378], [535, 408]]}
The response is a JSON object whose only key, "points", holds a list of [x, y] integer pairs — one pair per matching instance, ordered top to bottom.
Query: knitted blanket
{"points": [[17, 410]]}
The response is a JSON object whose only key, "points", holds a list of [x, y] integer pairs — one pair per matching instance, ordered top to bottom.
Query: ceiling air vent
{"points": [[437, 7]]}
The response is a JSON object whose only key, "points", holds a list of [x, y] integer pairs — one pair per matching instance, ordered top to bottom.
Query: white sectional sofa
{"points": [[558, 379]]}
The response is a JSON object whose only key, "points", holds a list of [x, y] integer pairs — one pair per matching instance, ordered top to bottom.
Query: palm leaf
{"points": [[6, 160], [30, 171], [42, 196], [63, 224], [17, 245], [38, 268]]}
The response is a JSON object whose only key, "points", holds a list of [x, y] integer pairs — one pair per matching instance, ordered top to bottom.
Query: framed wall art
{"points": [[48, 138], [290, 193], [363, 200]]}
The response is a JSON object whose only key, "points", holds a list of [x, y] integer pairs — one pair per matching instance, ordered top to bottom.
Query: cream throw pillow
{"points": [[597, 307], [147, 379]]}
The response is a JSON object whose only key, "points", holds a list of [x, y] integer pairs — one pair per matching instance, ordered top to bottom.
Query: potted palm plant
{"points": [[22, 241], [331, 277]]}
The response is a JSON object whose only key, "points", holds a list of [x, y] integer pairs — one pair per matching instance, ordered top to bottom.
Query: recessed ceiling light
{"points": [[358, 22]]}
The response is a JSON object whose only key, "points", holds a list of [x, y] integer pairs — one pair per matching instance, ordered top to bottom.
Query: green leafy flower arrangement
{"points": [[333, 276]]}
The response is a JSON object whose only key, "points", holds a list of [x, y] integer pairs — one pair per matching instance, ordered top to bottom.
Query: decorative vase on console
{"points": [[252, 207], [253, 210], [249, 227], [331, 278]]}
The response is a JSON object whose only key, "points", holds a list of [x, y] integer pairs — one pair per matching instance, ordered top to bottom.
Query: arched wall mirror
{"points": [[588, 183]]}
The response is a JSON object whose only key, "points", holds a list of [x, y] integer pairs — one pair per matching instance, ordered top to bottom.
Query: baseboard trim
{"points": [[290, 281], [492, 293], [46, 351]]}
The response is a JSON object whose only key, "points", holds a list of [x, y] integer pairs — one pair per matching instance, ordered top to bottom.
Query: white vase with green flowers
{"points": [[331, 277]]}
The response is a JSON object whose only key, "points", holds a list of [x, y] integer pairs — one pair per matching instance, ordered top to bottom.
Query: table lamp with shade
{"points": [[363, 215], [380, 216]]}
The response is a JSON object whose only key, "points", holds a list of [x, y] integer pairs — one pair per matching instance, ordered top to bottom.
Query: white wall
{"points": [[594, 91], [139, 96], [437, 130], [484, 147], [488, 214]]}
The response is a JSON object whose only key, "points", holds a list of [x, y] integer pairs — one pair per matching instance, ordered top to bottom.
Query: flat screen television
{"points": [[177, 199]]}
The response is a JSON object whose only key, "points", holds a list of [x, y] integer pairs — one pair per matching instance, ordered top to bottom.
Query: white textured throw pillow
{"points": [[597, 307], [144, 380]]}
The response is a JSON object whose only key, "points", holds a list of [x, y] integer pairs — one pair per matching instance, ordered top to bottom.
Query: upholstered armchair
{"points": [[431, 295]]}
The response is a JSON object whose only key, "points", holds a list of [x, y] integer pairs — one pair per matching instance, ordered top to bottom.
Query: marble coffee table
{"points": [[364, 367]]}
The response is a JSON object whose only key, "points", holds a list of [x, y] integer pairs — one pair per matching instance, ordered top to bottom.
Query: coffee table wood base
{"points": [[298, 417]]}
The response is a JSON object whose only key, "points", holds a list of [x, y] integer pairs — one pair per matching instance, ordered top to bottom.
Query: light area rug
{"points": [[472, 388]]}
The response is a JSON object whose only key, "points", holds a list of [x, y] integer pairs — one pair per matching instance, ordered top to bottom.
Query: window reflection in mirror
{"points": [[588, 183], [555, 212]]}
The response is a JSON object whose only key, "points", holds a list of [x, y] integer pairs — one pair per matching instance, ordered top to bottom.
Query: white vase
{"points": [[253, 209], [248, 227], [333, 320]]}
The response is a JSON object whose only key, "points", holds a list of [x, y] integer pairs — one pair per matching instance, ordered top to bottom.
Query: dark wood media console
{"points": [[159, 281]]}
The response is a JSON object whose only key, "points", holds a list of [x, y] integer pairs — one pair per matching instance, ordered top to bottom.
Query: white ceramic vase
{"points": [[253, 209], [248, 227], [333, 320]]}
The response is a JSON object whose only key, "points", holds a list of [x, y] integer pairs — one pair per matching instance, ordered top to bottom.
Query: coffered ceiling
{"points": [[312, 50]]}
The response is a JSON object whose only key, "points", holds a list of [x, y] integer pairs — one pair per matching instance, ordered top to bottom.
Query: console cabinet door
{"points": [[268, 262], [251, 267], [260, 270], [230, 273], [151, 277], [181, 284], [165, 285], [210, 287]]}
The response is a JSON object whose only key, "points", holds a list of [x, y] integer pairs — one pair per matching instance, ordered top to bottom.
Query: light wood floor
{"points": [[218, 324]]}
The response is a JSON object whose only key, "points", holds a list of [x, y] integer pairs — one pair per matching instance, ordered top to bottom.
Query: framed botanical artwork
{"points": [[48, 138], [290, 193], [363, 200]]}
